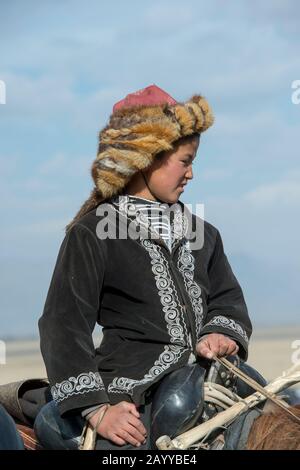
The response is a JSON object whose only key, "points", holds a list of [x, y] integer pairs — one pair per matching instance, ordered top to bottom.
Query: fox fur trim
{"points": [[132, 139]]}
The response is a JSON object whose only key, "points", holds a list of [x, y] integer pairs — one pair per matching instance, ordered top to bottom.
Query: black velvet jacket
{"points": [[153, 303]]}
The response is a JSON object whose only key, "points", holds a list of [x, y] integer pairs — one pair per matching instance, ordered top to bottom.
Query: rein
{"points": [[257, 387]]}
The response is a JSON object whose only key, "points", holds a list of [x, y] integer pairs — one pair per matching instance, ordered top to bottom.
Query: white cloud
{"points": [[110, 57], [64, 72]]}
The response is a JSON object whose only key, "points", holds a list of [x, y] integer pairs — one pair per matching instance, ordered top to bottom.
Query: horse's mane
{"points": [[276, 430]]}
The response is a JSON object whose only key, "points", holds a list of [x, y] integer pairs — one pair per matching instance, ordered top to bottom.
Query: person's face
{"points": [[168, 175]]}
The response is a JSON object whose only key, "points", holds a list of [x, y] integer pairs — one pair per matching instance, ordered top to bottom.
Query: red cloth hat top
{"points": [[150, 96]]}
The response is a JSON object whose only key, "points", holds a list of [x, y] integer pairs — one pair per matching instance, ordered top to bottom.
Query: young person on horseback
{"points": [[164, 293]]}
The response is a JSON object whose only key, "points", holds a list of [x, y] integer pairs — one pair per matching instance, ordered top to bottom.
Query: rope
{"points": [[256, 386], [219, 395], [89, 434]]}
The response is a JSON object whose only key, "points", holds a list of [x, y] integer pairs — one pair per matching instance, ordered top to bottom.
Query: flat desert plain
{"points": [[272, 350]]}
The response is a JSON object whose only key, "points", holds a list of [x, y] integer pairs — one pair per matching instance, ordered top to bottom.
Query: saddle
{"points": [[181, 400], [22, 401], [178, 401], [28, 437]]}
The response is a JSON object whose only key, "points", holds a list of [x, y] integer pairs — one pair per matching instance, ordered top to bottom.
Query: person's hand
{"points": [[216, 344], [120, 424]]}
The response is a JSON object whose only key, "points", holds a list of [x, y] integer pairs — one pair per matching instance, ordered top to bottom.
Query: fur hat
{"points": [[141, 126]]}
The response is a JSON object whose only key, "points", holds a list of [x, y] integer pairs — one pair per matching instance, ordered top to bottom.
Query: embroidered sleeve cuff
{"points": [[228, 327], [85, 390]]}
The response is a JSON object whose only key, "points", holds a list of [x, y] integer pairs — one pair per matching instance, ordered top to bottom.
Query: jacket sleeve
{"points": [[227, 311], [69, 317]]}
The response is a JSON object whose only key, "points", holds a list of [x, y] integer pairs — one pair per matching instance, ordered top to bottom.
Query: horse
{"points": [[275, 430]]}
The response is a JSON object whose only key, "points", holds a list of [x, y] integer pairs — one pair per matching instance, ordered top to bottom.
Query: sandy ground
{"points": [[271, 352]]}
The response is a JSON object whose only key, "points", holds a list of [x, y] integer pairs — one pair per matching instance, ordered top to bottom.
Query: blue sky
{"points": [[65, 63]]}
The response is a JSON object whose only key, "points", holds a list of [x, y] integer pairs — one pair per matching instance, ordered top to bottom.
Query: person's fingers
{"points": [[213, 344], [216, 345], [224, 347], [232, 347], [204, 350], [208, 350], [235, 350], [131, 407], [134, 411], [137, 423], [135, 433], [126, 436], [116, 440]]}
